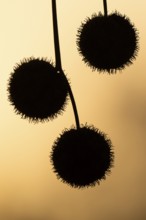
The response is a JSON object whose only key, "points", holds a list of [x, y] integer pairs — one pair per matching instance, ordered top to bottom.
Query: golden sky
{"points": [[116, 104]]}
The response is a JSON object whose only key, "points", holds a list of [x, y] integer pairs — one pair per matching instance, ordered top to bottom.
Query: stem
{"points": [[105, 7], [56, 36], [58, 61], [73, 102]]}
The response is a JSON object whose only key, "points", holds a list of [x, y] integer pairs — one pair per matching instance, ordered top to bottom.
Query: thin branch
{"points": [[105, 7], [56, 36], [58, 61]]}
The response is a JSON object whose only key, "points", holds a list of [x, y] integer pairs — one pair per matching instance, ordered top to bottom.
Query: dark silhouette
{"points": [[107, 42], [37, 91], [82, 157]]}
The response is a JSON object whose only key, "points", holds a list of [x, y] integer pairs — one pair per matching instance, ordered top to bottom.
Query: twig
{"points": [[105, 7], [58, 60]]}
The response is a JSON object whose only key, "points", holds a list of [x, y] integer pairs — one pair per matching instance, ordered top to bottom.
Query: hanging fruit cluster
{"points": [[39, 91]]}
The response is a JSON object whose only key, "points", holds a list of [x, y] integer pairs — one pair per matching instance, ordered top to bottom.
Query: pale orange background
{"points": [[116, 104]]}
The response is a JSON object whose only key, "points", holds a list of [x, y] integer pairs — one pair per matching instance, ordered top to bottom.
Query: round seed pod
{"points": [[107, 43], [37, 91], [82, 157]]}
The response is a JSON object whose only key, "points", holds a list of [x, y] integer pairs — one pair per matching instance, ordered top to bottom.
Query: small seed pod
{"points": [[107, 43], [37, 91], [82, 157]]}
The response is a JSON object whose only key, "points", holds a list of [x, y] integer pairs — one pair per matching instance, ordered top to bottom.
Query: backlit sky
{"points": [[116, 104]]}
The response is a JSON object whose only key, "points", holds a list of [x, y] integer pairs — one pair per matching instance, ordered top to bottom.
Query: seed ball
{"points": [[107, 43], [37, 91], [82, 157]]}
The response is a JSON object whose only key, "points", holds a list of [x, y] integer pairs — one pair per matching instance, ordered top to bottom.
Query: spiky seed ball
{"points": [[107, 43], [36, 90], [82, 157]]}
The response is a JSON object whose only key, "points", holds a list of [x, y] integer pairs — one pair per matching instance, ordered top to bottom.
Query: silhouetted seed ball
{"points": [[107, 43], [37, 91], [82, 157]]}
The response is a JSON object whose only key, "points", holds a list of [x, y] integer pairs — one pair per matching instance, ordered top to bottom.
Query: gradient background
{"points": [[116, 104]]}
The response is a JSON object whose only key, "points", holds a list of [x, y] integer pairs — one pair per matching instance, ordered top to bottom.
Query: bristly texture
{"points": [[107, 43], [37, 91], [82, 157]]}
